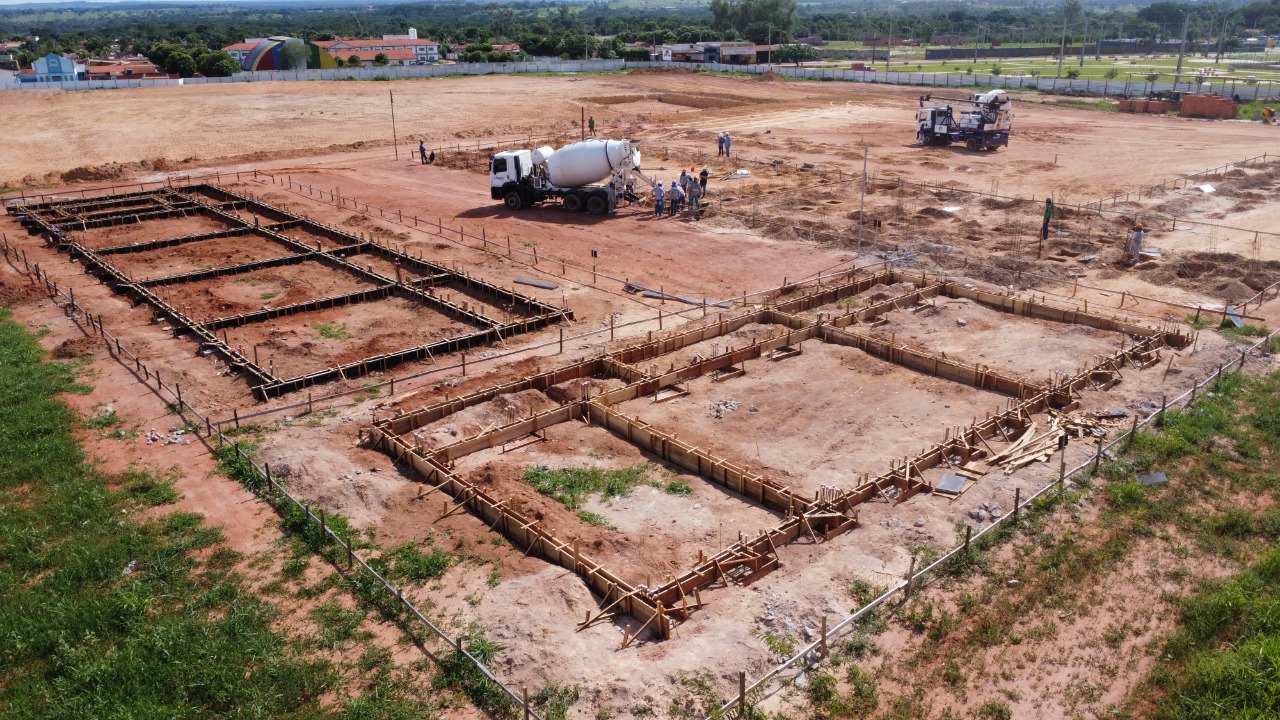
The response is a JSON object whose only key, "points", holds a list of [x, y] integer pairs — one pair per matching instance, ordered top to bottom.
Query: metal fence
{"points": [[1224, 86]]}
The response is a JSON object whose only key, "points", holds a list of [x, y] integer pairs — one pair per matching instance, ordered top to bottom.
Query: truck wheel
{"points": [[972, 144], [513, 201], [573, 202], [597, 205]]}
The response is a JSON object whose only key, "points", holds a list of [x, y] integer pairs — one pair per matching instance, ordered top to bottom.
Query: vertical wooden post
{"points": [[235, 415], [1017, 501], [968, 535], [911, 573], [822, 648], [525, 692], [742, 694]]}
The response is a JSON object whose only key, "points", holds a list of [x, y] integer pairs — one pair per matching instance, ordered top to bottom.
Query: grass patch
{"points": [[1096, 105], [269, 295], [332, 332], [571, 486], [675, 487], [595, 519], [413, 564], [109, 614], [1224, 661], [457, 672]]}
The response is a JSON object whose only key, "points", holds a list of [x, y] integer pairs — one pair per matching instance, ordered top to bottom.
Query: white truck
{"points": [[984, 122], [581, 175]]}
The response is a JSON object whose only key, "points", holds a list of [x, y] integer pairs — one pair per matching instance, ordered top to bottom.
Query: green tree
{"points": [[776, 15], [796, 53], [293, 56], [380, 60], [355, 61], [182, 64], [217, 64], [1073, 73], [1112, 73]]}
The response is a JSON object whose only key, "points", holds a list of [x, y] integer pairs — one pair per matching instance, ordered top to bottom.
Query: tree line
{"points": [[572, 30]]}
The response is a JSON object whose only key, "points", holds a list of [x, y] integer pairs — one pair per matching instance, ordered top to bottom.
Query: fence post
{"points": [[1017, 501], [822, 649], [742, 694]]}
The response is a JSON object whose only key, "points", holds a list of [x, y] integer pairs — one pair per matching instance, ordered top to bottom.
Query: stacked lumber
{"points": [[1039, 448]]}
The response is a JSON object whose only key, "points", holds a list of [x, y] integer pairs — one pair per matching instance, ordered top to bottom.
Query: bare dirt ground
{"points": [[191, 257], [819, 418]]}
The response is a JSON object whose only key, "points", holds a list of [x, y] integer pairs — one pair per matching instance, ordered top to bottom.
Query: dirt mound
{"points": [[769, 76], [933, 213], [74, 348]]}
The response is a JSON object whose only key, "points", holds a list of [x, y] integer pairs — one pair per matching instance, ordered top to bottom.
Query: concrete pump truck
{"points": [[983, 123]]}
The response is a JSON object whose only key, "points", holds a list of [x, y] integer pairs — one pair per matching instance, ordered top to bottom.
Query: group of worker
{"points": [[689, 187], [1133, 247]]}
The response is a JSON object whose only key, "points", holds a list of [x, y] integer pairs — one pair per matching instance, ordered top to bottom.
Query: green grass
{"points": [[1096, 105], [269, 295], [332, 332], [571, 486], [675, 487], [595, 519], [413, 564], [107, 613], [1224, 661], [457, 672]]}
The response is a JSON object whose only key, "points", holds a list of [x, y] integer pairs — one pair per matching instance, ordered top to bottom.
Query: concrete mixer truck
{"points": [[578, 175]]}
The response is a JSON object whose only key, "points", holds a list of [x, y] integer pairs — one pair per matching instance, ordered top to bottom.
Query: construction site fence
{"points": [[1226, 86], [1180, 182], [194, 418], [913, 579]]}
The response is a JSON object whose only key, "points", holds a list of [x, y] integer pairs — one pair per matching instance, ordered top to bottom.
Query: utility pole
{"points": [[1221, 35], [1084, 41], [769, 46], [1062, 47], [888, 49], [1182, 49], [394, 142], [862, 202]]}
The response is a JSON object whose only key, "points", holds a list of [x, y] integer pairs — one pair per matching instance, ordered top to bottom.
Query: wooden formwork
{"points": [[814, 519], [528, 533]]}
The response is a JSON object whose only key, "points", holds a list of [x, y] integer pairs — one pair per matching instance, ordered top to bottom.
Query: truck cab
{"points": [[507, 171]]}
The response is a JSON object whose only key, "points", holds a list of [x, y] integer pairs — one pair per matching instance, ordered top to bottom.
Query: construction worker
{"points": [[1268, 116], [591, 124], [728, 143], [720, 144], [422, 150], [702, 178], [611, 191], [694, 192], [675, 195], [657, 199], [1048, 215], [1135, 243]]}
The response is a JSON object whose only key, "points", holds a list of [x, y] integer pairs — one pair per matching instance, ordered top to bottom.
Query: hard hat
{"points": [[1138, 226]]}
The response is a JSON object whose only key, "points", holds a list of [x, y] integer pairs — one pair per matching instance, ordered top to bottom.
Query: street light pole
{"points": [[1221, 35], [1084, 40], [1062, 47], [888, 49], [1182, 49]]}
